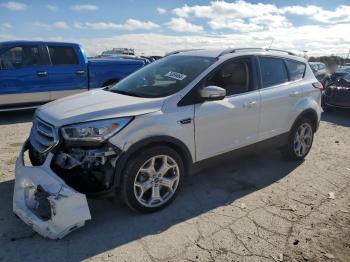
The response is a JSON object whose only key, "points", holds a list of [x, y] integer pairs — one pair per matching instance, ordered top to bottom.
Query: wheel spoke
{"points": [[165, 166], [149, 169], [168, 182], [144, 186], [155, 195]]}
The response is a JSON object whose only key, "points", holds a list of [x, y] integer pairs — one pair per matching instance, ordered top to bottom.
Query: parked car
{"points": [[320, 71], [33, 73], [337, 94], [144, 135]]}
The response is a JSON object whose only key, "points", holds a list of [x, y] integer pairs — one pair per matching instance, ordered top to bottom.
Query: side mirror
{"points": [[212, 93]]}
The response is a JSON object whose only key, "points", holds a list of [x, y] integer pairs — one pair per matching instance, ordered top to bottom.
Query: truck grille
{"points": [[43, 136]]}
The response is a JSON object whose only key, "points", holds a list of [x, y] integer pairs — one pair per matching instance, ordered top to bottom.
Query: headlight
{"points": [[95, 131]]}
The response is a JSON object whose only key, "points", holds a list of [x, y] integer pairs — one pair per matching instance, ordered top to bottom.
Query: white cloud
{"points": [[14, 6], [84, 7], [52, 8], [161, 10], [234, 10], [340, 14], [238, 16], [130, 25], [181, 25], [5, 26], [49, 27], [294, 39]]}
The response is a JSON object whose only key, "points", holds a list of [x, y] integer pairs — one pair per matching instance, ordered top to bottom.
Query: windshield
{"points": [[163, 77]]}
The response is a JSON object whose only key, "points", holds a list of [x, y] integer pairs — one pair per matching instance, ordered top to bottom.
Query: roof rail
{"points": [[233, 50], [181, 51]]}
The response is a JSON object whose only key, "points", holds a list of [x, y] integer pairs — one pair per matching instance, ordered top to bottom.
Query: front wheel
{"points": [[300, 140], [152, 179]]}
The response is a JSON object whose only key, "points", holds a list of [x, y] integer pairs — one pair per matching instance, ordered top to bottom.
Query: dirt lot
{"points": [[258, 208]]}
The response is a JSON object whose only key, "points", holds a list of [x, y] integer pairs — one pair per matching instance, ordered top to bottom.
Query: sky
{"points": [[154, 27]]}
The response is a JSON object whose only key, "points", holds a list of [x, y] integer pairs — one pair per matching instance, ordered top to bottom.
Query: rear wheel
{"points": [[300, 140], [152, 179]]}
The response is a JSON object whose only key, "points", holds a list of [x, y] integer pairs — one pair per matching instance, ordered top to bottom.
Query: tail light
{"points": [[318, 85]]}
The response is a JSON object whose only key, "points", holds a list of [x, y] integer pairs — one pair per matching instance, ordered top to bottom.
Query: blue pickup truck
{"points": [[32, 73]]}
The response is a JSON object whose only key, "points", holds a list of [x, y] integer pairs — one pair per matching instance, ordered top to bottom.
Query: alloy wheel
{"points": [[303, 139], [156, 181]]}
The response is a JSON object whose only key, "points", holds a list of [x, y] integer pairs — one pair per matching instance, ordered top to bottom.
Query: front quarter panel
{"points": [[158, 124]]}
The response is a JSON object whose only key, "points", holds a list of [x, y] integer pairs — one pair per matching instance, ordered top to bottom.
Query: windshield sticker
{"points": [[177, 76]]}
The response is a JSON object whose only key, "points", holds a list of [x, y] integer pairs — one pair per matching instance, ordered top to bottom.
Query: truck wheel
{"points": [[300, 140], [152, 179]]}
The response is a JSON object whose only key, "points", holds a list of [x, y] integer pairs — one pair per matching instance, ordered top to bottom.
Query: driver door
{"points": [[231, 123]]}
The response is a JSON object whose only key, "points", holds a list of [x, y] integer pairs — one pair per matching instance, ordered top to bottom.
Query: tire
{"points": [[298, 148], [139, 187]]}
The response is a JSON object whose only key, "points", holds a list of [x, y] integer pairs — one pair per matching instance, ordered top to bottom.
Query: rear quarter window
{"points": [[63, 55], [296, 70], [273, 71]]}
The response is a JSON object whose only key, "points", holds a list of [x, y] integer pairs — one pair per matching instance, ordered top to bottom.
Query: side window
{"points": [[63, 55], [20, 56], [296, 70], [273, 71], [234, 76]]}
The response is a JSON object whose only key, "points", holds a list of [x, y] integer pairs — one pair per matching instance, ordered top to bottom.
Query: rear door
{"points": [[67, 72], [23, 76], [280, 91], [224, 125]]}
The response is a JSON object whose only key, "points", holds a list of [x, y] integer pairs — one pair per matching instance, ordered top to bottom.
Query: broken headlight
{"points": [[95, 131]]}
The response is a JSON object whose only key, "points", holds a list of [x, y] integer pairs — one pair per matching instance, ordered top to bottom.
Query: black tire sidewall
{"points": [[133, 166]]}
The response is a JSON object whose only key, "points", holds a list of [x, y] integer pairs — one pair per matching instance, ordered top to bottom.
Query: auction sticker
{"points": [[177, 76]]}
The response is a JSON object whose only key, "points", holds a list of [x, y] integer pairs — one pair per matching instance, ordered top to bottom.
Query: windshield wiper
{"points": [[124, 92]]}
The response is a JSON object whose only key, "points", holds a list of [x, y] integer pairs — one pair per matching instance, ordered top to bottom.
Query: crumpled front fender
{"points": [[38, 190]]}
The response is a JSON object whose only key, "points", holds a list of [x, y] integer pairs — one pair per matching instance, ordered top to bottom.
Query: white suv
{"points": [[147, 132]]}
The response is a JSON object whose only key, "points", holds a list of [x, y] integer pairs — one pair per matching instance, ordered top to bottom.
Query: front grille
{"points": [[43, 136]]}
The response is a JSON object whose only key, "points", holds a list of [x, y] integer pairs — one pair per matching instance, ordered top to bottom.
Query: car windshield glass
{"points": [[163, 77]]}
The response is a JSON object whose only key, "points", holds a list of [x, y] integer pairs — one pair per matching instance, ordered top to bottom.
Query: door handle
{"points": [[80, 72], [41, 73], [296, 93], [250, 104], [185, 121]]}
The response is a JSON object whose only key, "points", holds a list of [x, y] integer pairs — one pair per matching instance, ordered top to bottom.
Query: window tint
{"points": [[62, 55], [20, 56], [296, 70], [273, 71], [234, 76]]}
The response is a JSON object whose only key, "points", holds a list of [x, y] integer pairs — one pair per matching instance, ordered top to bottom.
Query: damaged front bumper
{"points": [[45, 202]]}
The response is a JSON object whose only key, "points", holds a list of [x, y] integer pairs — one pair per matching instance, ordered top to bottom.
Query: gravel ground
{"points": [[257, 208]]}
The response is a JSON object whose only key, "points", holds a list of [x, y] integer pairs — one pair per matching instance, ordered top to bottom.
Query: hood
{"points": [[96, 105]]}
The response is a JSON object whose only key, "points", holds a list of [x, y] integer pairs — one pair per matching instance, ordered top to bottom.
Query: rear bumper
{"points": [[336, 100], [66, 209]]}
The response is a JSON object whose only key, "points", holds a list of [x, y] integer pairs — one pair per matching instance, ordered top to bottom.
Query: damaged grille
{"points": [[43, 136]]}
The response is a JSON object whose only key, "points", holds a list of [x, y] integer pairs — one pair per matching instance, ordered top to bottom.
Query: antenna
{"points": [[271, 43]]}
